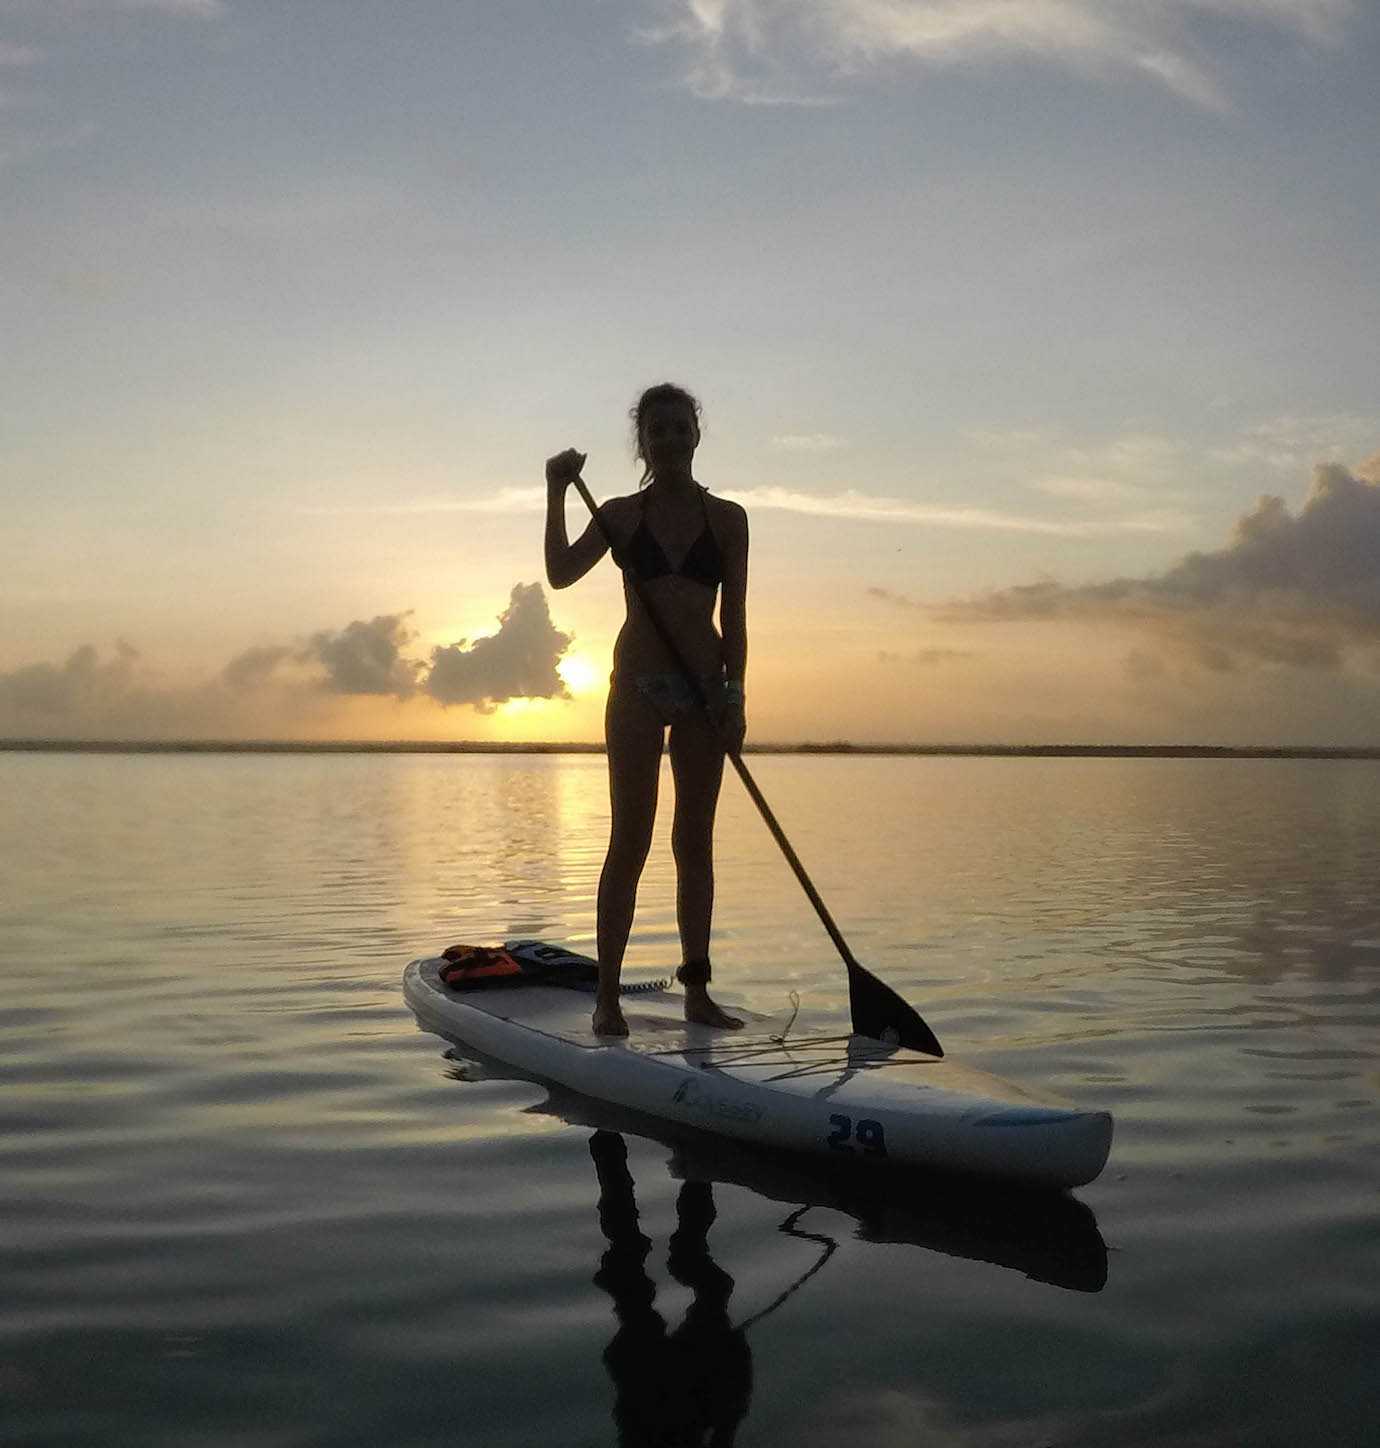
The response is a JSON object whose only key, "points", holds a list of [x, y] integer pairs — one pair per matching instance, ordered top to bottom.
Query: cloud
{"points": [[739, 50], [756, 51], [1289, 442], [1138, 454], [1134, 470], [1095, 491], [505, 500], [848, 504], [852, 504], [1292, 591], [899, 600], [925, 657], [363, 658], [366, 658], [519, 661], [255, 667], [282, 689], [54, 691], [88, 696]]}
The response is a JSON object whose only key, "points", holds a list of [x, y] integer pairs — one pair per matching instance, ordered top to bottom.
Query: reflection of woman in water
{"points": [[680, 544], [683, 1389]]}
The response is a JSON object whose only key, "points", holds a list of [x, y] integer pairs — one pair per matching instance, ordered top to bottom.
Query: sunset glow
{"points": [[1036, 341], [579, 672]]}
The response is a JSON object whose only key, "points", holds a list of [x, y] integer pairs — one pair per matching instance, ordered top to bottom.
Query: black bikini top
{"points": [[647, 559]]}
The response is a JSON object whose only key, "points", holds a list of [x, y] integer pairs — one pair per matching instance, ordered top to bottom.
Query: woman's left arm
{"points": [[733, 604], [733, 611]]}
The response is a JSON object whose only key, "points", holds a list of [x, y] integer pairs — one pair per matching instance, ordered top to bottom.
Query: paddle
{"points": [[876, 1009]]}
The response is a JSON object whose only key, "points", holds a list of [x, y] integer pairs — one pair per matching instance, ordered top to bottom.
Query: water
{"points": [[245, 1201]]}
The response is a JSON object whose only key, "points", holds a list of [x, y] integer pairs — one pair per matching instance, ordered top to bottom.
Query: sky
{"points": [[1037, 337]]}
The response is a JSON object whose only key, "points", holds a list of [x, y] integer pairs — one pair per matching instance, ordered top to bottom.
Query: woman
{"points": [[681, 545]]}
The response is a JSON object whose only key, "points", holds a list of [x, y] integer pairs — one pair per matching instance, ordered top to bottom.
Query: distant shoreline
{"points": [[839, 747]]}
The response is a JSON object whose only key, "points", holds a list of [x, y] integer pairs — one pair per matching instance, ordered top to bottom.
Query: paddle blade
{"points": [[880, 1013]]}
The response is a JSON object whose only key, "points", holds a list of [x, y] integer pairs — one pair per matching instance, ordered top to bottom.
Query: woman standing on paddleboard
{"points": [[681, 547]]}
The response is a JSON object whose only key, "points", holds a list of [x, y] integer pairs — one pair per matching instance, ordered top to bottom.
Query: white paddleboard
{"points": [[842, 1096]]}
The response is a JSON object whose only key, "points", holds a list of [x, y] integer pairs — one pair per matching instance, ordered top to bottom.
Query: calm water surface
{"points": [[243, 1200]]}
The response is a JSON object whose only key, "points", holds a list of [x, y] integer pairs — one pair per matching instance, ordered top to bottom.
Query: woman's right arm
{"points": [[567, 562]]}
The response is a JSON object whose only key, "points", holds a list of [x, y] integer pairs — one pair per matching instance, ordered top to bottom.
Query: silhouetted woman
{"points": [[685, 548]]}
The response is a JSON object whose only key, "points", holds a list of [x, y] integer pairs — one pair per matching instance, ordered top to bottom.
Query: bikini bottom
{"points": [[669, 696]]}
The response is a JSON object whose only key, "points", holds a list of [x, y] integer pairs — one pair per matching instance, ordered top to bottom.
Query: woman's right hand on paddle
{"points": [[563, 469], [732, 722]]}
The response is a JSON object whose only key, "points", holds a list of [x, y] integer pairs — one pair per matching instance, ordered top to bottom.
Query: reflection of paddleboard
{"points": [[849, 1097], [1050, 1236]]}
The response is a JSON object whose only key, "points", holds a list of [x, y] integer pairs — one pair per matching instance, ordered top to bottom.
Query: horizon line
{"points": [[823, 747]]}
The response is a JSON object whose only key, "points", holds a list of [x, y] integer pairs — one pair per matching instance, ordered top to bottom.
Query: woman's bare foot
{"points": [[703, 1012], [608, 1019]]}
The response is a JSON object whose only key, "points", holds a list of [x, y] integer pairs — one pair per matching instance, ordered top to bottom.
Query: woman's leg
{"points": [[634, 737], [697, 763]]}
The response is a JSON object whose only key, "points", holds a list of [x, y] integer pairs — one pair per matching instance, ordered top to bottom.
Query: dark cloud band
{"points": [[1298, 591]]}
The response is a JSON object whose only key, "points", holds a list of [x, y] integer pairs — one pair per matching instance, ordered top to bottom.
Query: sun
{"points": [[579, 674]]}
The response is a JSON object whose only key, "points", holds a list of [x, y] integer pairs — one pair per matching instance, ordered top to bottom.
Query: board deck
{"points": [[807, 1089]]}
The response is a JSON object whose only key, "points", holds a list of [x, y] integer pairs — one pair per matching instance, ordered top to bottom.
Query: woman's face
{"points": [[669, 434]]}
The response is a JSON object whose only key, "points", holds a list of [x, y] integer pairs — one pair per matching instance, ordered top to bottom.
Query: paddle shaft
{"points": [[735, 758]]}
